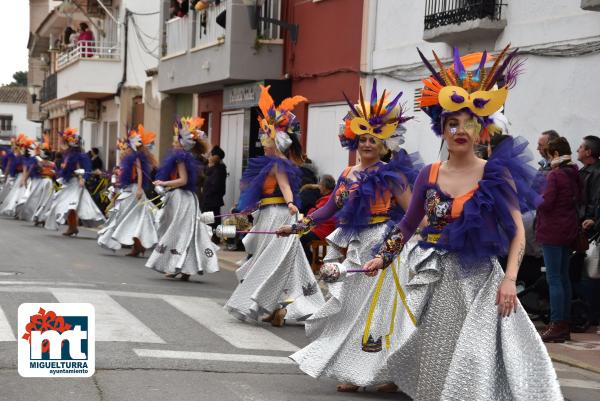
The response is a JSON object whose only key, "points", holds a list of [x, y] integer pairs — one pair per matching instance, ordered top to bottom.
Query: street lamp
{"points": [[34, 91]]}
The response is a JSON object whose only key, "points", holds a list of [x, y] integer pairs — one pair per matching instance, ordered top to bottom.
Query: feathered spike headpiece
{"points": [[455, 87], [380, 118], [277, 123], [188, 131], [71, 137], [140, 137], [24, 142], [46, 144]]}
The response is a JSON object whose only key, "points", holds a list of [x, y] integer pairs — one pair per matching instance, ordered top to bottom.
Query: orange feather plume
{"points": [[265, 102], [291, 102]]}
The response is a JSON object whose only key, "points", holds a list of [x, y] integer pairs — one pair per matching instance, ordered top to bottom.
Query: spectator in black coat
{"points": [[214, 187]]}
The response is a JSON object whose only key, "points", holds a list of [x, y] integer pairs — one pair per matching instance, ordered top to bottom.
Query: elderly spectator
{"points": [[542, 147], [588, 154], [556, 230], [321, 231]]}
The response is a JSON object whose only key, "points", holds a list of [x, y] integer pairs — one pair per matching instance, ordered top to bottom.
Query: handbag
{"points": [[581, 244], [592, 261]]}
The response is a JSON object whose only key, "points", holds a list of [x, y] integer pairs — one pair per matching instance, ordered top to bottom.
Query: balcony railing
{"points": [[447, 12], [265, 30], [207, 31], [177, 35], [85, 50], [48, 91]]}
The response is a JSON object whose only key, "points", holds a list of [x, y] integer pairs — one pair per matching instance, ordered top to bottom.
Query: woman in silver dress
{"points": [[41, 173], [17, 193], [366, 196], [73, 203], [131, 219], [184, 246], [276, 283], [473, 341]]}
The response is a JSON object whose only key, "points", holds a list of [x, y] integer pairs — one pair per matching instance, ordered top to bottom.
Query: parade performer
{"points": [[8, 170], [41, 173], [18, 192], [73, 202], [362, 204], [131, 218], [184, 246], [277, 280], [473, 340]]}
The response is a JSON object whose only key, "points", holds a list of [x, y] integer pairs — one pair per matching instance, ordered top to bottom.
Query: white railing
{"points": [[207, 30], [266, 30], [177, 35], [87, 50], [6, 132]]}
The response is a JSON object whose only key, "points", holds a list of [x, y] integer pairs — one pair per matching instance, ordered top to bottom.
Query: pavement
{"points": [[161, 339]]}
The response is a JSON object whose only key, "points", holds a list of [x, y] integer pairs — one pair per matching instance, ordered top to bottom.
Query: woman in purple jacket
{"points": [[556, 230]]}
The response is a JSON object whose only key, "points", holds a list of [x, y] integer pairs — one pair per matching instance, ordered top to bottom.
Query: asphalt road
{"points": [[160, 339]]}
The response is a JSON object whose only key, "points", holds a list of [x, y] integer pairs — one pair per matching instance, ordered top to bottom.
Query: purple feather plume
{"points": [[459, 68], [516, 68], [433, 71], [500, 71]]}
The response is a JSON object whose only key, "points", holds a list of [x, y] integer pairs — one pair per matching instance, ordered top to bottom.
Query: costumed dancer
{"points": [[8, 170], [41, 174], [18, 192], [73, 202], [362, 203], [131, 219], [184, 246], [277, 282], [473, 340]]}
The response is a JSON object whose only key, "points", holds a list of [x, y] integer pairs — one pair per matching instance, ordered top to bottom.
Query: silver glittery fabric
{"points": [[8, 184], [40, 191], [71, 196], [15, 198], [129, 219], [184, 244], [276, 274], [337, 328], [463, 349]]}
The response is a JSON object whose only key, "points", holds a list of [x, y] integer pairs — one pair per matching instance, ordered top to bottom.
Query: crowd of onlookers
{"points": [[566, 222]]}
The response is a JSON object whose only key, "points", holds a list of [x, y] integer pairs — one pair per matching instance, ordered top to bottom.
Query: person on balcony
{"points": [[85, 41], [367, 197], [73, 202], [276, 282]]}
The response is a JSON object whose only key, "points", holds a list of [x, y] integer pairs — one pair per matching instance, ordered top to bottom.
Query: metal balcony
{"points": [[590, 5], [456, 20], [48, 91]]}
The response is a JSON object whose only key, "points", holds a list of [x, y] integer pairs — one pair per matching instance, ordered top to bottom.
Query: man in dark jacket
{"points": [[588, 153], [213, 189]]}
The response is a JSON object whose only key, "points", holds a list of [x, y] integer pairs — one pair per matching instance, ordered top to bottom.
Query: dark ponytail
{"points": [[294, 152]]}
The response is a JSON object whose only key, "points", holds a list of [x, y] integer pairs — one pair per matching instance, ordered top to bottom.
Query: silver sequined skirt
{"points": [[6, 187], [40, 192], [72, 196], [15, 198], [129, 218], [184, 244], [276, 274], [337, 328], [463, 349]]}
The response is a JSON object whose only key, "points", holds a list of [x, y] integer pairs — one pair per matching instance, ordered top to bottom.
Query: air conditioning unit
{"points": [[92, 110]]}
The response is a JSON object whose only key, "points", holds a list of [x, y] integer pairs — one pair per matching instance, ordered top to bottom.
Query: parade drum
{"points": [[79, 172], [159, 189], [207, 217], [225, 231]]}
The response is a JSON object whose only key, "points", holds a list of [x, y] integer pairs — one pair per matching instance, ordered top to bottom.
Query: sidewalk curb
{"points": [[573, 362]]}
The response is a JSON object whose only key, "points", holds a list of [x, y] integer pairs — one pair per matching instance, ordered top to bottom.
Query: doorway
{"points": [[232, 143]]}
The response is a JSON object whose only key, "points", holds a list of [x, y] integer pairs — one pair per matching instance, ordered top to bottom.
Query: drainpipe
{"points": [[125, 45]]}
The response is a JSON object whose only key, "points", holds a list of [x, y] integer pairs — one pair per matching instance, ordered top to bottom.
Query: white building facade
{"points": [[558, 90]]}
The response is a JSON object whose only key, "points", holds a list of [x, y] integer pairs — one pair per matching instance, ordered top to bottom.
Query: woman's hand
{"points": [[159, 183], [292, 208], [587, 224], [284, 231], [373, 266], [506, 297]]}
